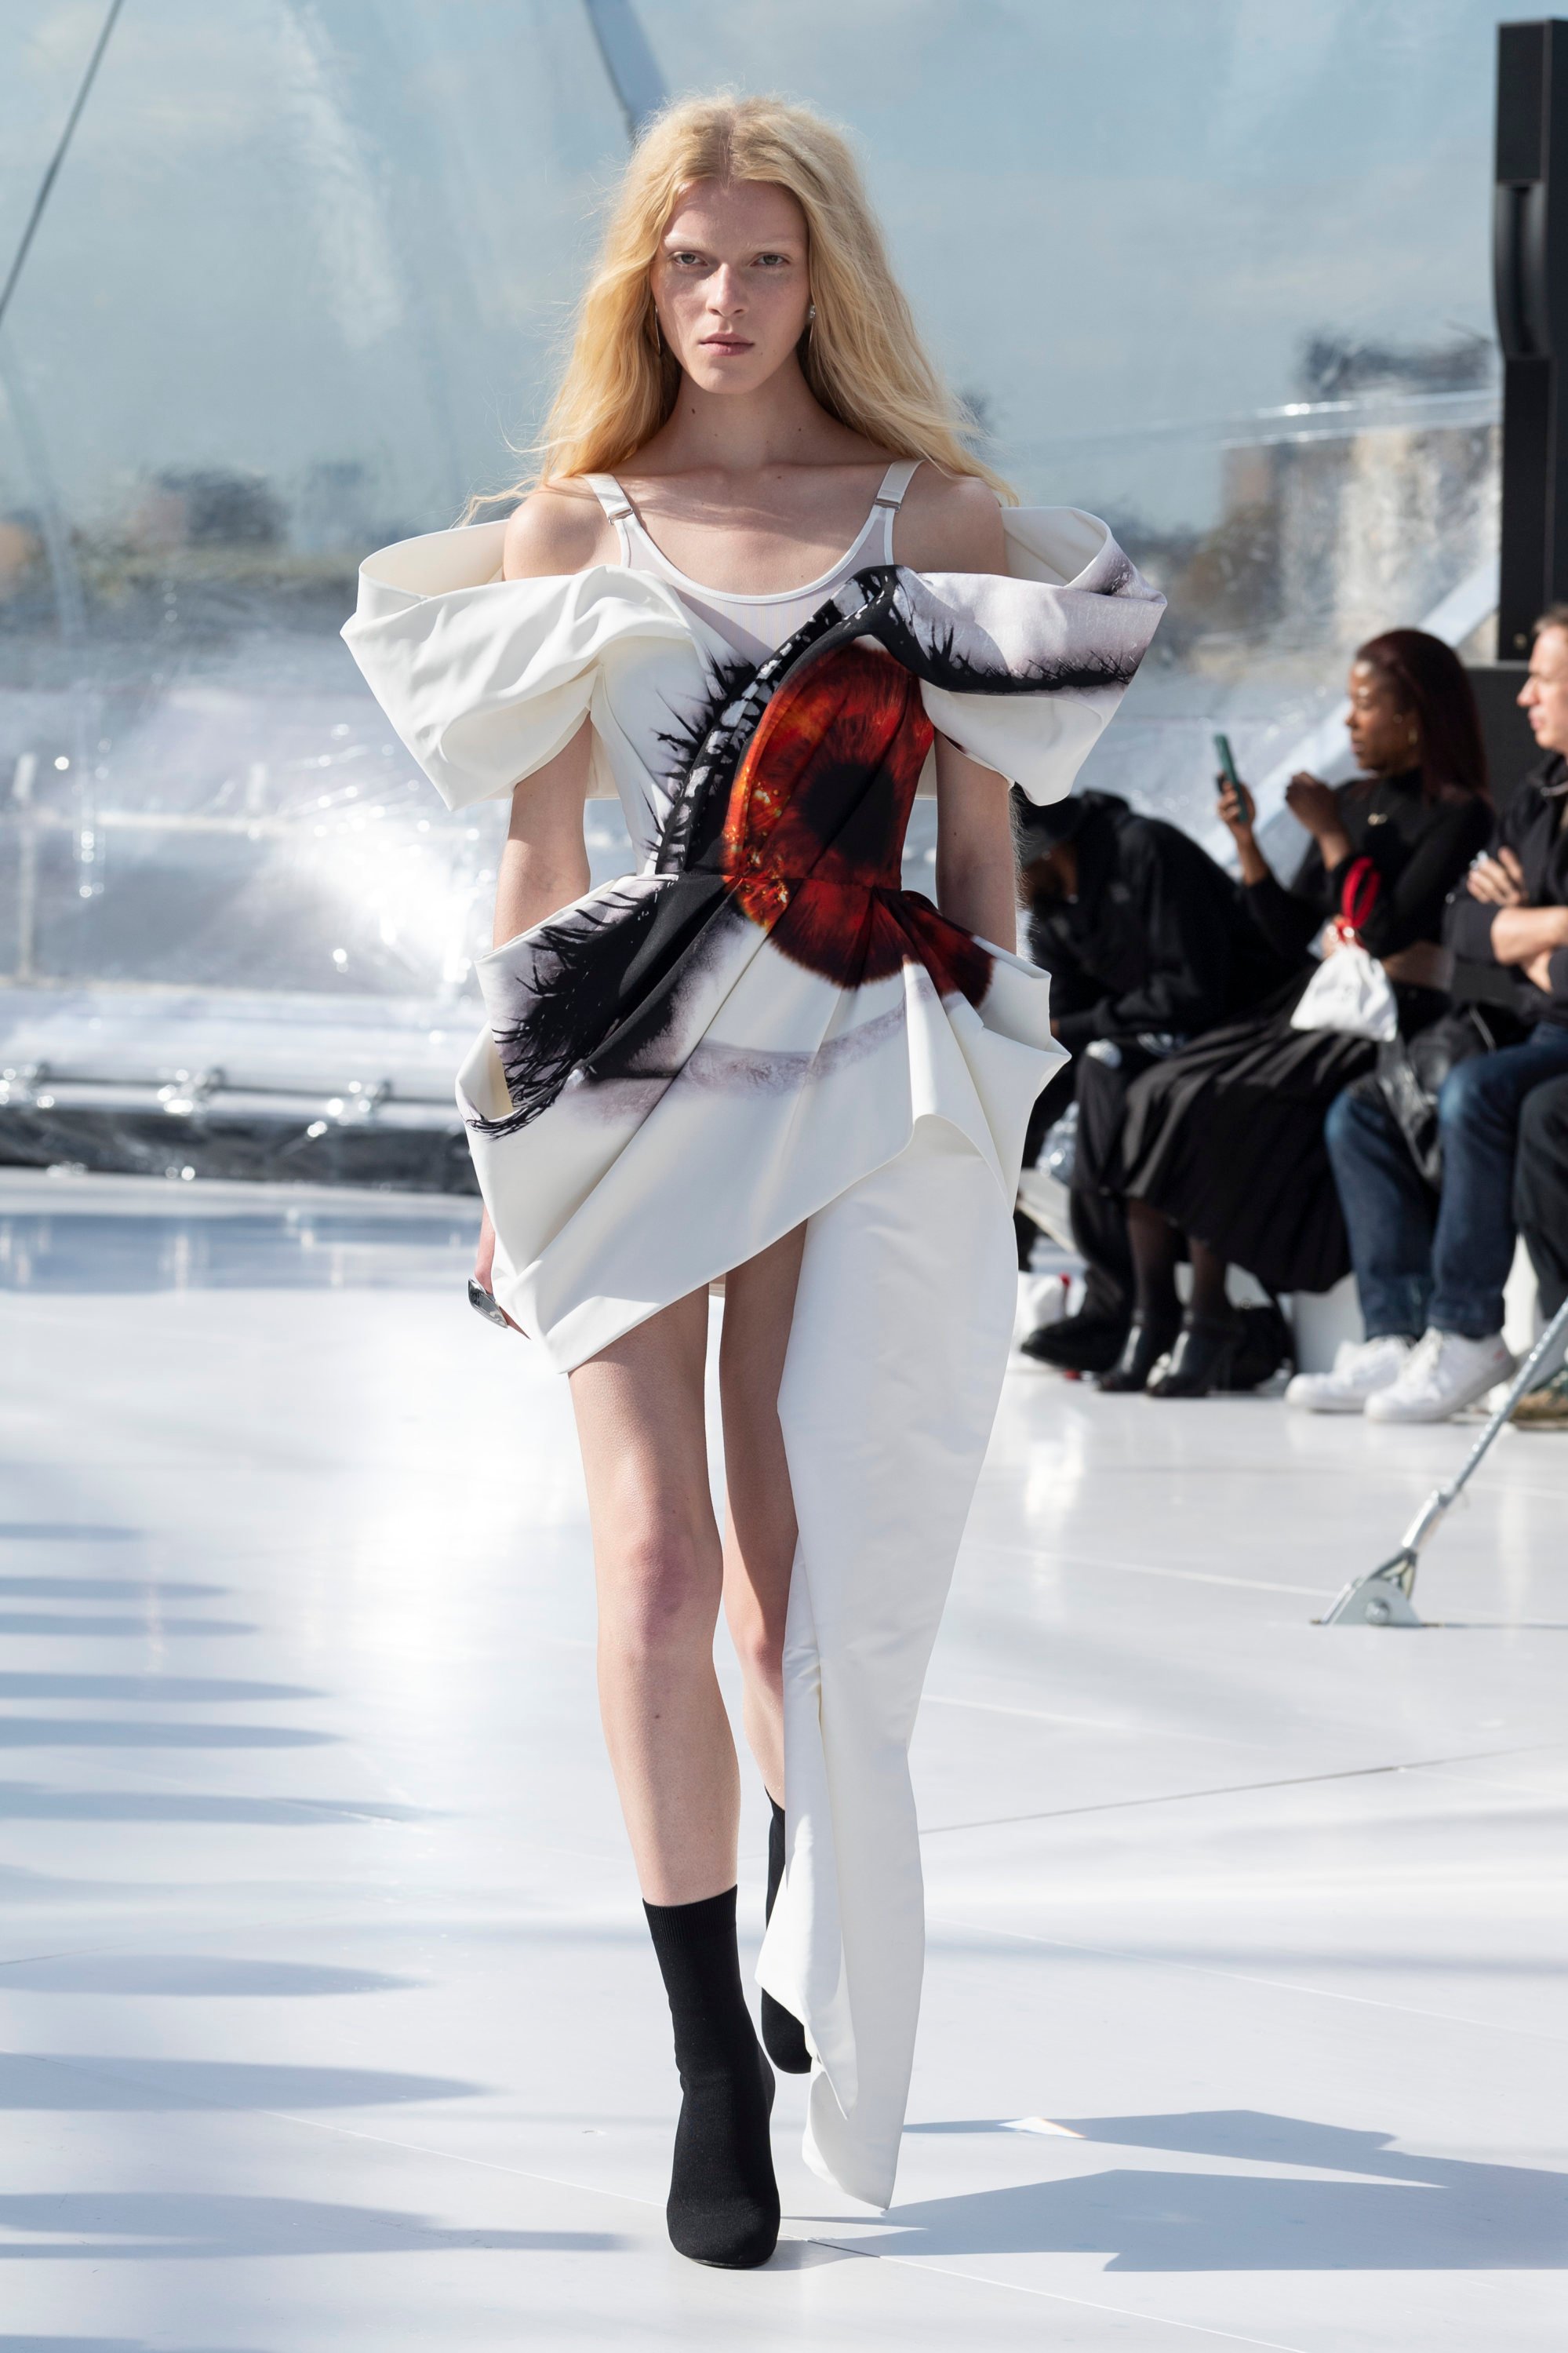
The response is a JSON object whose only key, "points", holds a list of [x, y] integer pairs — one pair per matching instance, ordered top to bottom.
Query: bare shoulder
{"points": [[950, 523], [557, 530]]}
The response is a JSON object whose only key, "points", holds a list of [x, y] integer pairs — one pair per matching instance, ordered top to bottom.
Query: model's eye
{"points": [[773, 260], [687, 261]]}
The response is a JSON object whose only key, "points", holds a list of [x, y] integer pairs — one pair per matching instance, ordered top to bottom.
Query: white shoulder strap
{"points": [[896, 482], [610, 495], [890, 498]]}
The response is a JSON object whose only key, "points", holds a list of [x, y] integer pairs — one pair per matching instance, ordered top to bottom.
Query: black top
{"points": [[1534, 826], [1419, 847], [1157, 940]]}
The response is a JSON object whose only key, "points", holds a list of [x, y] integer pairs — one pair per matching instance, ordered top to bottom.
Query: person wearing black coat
{"points": [[1149, 945], [1224, 1143]]}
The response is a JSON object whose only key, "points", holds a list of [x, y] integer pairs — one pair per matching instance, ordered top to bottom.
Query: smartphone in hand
{"points": [[1226, 759]]}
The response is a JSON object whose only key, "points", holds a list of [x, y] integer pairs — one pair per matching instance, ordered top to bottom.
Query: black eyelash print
{"points": [[932, 647], [685, 743], [568, 1000]]}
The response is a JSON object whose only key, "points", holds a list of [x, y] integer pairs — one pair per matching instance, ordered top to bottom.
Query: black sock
{"points": [[1153, 1244], [1210, 1303], [784, 2037], [723, 2201]]}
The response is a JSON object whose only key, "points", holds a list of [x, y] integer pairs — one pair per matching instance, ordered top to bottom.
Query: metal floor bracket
{"points": [[1381, 1599]]}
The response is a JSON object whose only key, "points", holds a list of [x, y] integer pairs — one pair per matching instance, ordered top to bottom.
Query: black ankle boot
{"points": [[1078, 1344], [1146, 1344], [1200, 1360], [784, 2037], [723, 2199]]}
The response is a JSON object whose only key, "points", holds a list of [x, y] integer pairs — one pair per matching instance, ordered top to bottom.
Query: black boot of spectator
{"points": [[1078, 1344], [1146, 1344], [1200, 1361]]}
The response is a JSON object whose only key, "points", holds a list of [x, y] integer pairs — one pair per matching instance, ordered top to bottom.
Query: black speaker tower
{"points": [[1531, 280]]}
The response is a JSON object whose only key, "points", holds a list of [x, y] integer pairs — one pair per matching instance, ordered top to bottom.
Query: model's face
{"points": [[730, 283], [1544, 694], [1383, 735]]}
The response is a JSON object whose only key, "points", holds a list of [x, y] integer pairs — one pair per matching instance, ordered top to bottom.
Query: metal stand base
{"points": [[1384, 1598], [1381, 1599]]}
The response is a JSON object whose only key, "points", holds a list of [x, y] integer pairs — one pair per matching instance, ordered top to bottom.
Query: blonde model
{"points": [[760, 583]]}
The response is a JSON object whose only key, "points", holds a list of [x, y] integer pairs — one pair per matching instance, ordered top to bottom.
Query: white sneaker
{"points": [[1361, 1368], [1444, 1374]]}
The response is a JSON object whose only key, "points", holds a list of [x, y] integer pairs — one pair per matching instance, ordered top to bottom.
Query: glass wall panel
{"points": [[1214, 268]]}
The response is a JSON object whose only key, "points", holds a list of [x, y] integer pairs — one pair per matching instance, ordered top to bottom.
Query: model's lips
{"points": [[725, 343]]}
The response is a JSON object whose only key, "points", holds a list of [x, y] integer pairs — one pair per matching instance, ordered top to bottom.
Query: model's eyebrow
{"points": [[786, 244]]}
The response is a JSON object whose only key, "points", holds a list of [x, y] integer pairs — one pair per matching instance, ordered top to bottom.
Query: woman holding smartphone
{"points": [[759, 582], [1224, 1142]]}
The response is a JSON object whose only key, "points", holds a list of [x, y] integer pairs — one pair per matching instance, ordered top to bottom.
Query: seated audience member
{"points": [[1148, 943], [1224, 1142], [1541, 1207], [1431, 1274]]}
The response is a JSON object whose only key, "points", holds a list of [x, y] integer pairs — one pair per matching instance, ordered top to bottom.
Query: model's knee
{"points": [[660, 1598], [759, 1646]]}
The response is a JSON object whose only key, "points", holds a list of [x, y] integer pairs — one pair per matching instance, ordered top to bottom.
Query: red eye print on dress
{"points": [[813, 836]]}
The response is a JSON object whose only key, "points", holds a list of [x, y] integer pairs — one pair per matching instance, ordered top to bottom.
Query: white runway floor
{"points": [[330, 2014]]}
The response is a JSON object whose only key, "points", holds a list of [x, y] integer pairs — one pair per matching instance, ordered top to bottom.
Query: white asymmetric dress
{"points": [[760, 1028]]}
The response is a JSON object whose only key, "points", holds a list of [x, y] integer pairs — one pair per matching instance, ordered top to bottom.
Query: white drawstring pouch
{"points": [[1352, 993]]}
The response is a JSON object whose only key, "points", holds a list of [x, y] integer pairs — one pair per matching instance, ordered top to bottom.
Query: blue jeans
{"points": [[1419, 1262]]}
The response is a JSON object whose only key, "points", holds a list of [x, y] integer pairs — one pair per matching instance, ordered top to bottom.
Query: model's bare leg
{"points": [[639, 1406], [760, 1532], [759, 1546], [659, 1568]]}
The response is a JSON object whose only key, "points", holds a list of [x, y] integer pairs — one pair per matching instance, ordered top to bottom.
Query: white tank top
{"points": [[756, 626]]}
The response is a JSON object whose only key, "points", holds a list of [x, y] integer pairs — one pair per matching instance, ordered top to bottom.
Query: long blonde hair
{"points": [[861, 357]]}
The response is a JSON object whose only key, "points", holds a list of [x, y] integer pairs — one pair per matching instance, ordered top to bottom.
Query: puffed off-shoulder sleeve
{"points": [[1023, 672], [485, 678]]}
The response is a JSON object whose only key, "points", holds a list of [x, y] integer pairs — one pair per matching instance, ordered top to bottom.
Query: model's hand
{"points": [[1312, 804], [1236, 809], [1498, 881], [1331, 940], [1538, 970], [485, 1255], [484, 1264]]}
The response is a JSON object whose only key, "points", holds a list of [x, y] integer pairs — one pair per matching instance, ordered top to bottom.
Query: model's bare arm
{"points": [[947, 524], [956, 526], [557, 530], [544, 861], [544, 865], [976, 876]]}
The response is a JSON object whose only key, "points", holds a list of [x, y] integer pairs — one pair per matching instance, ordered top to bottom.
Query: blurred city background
{"points": [[1217, 270]]}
